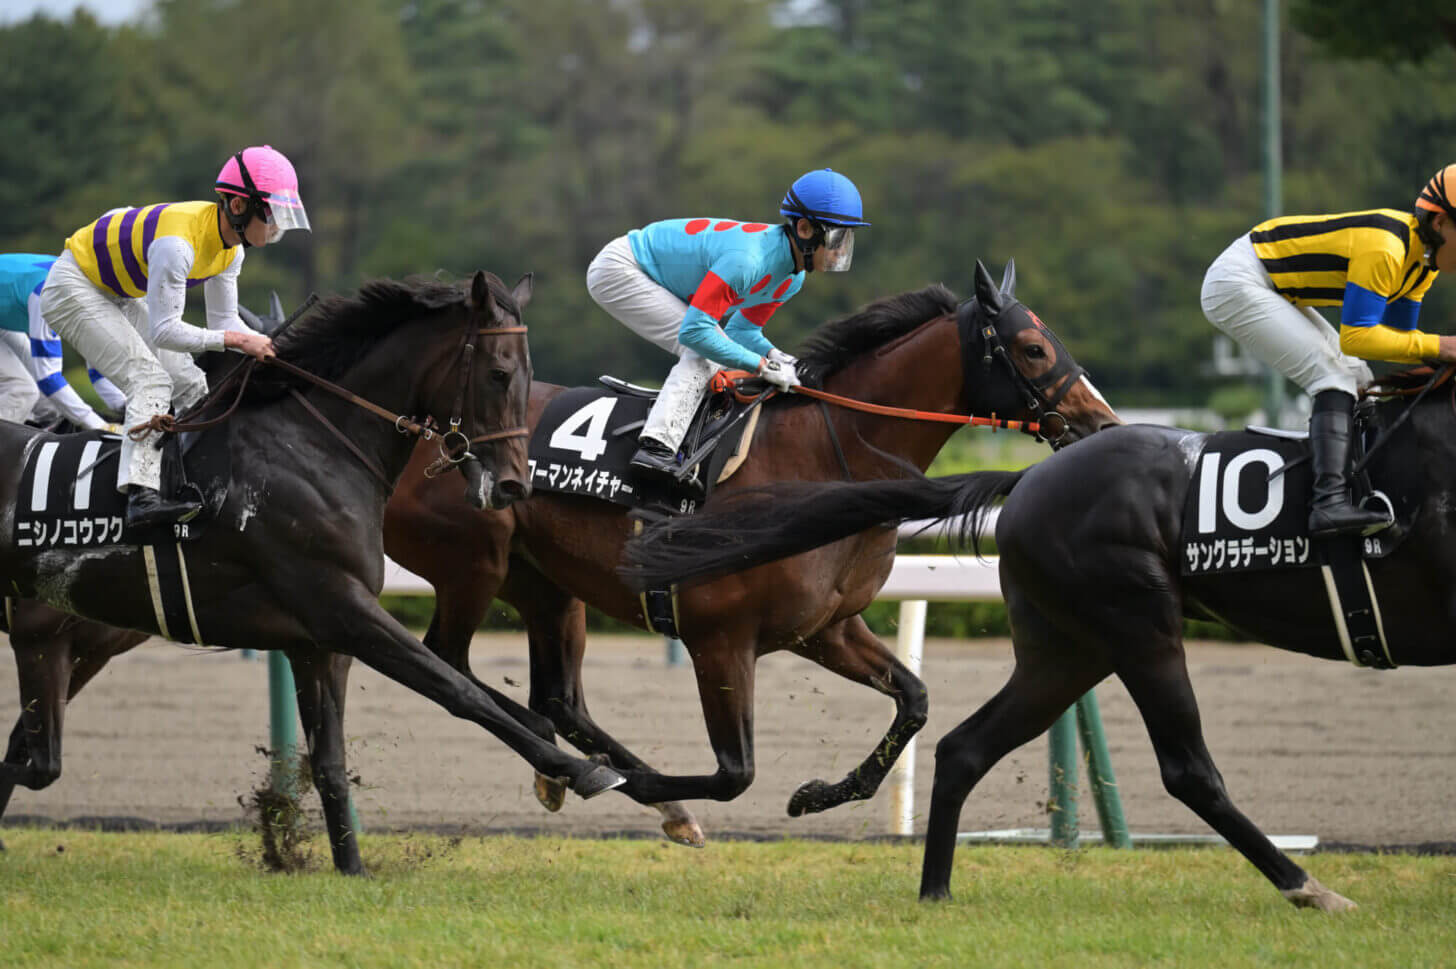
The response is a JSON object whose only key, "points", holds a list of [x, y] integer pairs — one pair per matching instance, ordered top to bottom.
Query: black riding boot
{"points": [[655, 461], [145, 506], [1330, 510]]}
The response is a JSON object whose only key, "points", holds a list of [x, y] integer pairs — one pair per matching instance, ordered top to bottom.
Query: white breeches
{"points": [[621, 288], [1240, 299], [112, 334], [18, 389]]}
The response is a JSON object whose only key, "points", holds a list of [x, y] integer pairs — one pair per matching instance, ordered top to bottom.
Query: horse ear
{"points": [[1008, 278], [522, 293], [986, 294], [480, 297]]}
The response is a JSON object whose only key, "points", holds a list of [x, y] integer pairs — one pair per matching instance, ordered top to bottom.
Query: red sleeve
{"points": [[714, 297], [758, 315]]}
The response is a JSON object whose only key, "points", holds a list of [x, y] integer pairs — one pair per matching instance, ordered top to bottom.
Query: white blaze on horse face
{"points": [[1095, 392]]}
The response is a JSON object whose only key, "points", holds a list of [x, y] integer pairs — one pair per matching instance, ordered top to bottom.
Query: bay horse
{"points": [[1089, 543], [549, 555], [294, 558]]}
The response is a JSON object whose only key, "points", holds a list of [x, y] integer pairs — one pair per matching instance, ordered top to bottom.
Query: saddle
{"points": [[587, 435], [68, 496], [1247, 509]]}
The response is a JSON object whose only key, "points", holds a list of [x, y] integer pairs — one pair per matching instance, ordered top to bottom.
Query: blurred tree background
{"points": [[1111, 148]]}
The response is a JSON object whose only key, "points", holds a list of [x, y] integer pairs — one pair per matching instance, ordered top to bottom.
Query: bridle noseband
{"points": [[1034, 390], [454, 445]]}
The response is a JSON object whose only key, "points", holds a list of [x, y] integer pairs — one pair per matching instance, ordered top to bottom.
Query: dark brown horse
{"points": [[294, 559]]}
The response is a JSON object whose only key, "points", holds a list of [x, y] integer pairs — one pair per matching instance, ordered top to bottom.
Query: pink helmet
{"points": [[264, 176]]}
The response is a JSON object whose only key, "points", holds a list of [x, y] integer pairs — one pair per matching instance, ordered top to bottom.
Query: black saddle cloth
{"points": [[587, 436], [68, 496], [1248, 506]]}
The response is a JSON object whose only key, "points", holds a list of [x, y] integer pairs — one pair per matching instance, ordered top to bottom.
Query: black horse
{"points": [[1090, 542], [294, 559]]}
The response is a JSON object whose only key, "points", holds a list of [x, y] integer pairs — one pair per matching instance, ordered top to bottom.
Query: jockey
{"points": [[1376, 265], [702, 289], [118, 291], [31, 380]]}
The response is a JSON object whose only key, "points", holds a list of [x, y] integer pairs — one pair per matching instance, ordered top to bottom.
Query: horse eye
{"points": [[1036, 351]]}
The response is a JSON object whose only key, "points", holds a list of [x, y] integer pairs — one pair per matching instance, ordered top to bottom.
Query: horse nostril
{"points": [[1109, 424]]}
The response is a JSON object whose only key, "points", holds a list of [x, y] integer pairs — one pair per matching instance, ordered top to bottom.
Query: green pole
{"points": [[1274, 399], [282, 721], [1099, 773], [1062, 799]]}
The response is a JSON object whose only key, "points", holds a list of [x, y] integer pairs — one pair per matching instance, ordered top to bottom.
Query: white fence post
{"points": [[909, 649]]}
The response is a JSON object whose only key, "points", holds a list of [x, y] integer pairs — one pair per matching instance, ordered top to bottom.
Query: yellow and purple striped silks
{"points": [[112, 251]]}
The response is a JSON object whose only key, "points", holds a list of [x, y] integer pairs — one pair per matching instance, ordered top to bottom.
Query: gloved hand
{"points": [[779, 356], [781, 375]]}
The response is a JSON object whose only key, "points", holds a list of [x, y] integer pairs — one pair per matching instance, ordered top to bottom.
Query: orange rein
{"points": [[729, 379]]}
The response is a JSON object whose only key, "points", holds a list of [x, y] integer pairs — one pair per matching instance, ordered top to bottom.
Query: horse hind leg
{"points": [[556, 630], [851, 650], [1050, 675], [322, 684], [1160, 687]]}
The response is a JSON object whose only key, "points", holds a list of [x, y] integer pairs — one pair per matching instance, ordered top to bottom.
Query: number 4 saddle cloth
{"points": [[587, 436]]}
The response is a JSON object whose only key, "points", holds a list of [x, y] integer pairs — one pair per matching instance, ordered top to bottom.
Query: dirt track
{"points": [[1305, 746]]}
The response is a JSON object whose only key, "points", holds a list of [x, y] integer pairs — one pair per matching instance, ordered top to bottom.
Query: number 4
{"points": [[592, 442]]}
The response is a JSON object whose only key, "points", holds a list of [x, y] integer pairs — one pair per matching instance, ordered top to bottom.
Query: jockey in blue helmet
{"points": [[702, 289]]}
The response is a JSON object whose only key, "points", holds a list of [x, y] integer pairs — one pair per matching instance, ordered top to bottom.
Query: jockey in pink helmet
{"points": [[267, 182], [118, 291]]}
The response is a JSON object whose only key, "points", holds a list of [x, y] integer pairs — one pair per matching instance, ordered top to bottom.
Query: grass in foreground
{"points": [[80, 899]]}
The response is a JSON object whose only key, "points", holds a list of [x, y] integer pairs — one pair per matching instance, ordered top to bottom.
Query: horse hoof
{"points": [[596, 781], [550, 791], [811, 798], [684, 832], [1314, 895]]}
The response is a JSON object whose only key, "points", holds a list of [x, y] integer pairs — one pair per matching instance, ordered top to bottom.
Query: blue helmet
{"points": [[825, 197]]}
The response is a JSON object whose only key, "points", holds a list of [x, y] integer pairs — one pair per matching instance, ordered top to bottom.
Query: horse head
{"points": [[1046, 385], [489, 445]]}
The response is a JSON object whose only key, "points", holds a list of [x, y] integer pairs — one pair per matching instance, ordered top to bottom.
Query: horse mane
{"points": [[343, 329], [836, 344]]}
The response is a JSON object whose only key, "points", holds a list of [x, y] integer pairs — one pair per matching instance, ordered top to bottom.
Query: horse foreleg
{"points": [[460, 607], [350, 621], [556, 630], [851, 650], [724, 664], [322, 682], [1159, 685]]}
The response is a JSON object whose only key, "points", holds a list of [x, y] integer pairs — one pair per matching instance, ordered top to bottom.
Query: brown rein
{"points": [[167, 424]]}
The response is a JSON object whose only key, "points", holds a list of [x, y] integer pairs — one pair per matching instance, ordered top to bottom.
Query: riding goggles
{"points": [[838, 248]]}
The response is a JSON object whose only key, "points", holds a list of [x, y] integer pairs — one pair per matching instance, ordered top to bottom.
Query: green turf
{"points": [[78, 899]]}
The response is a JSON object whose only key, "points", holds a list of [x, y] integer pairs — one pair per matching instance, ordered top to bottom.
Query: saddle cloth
{"points": [[587, 435], [68, 496], [1247, 509]]}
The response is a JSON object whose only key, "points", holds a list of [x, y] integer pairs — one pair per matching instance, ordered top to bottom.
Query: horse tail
{"points": [[761, 525]]}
